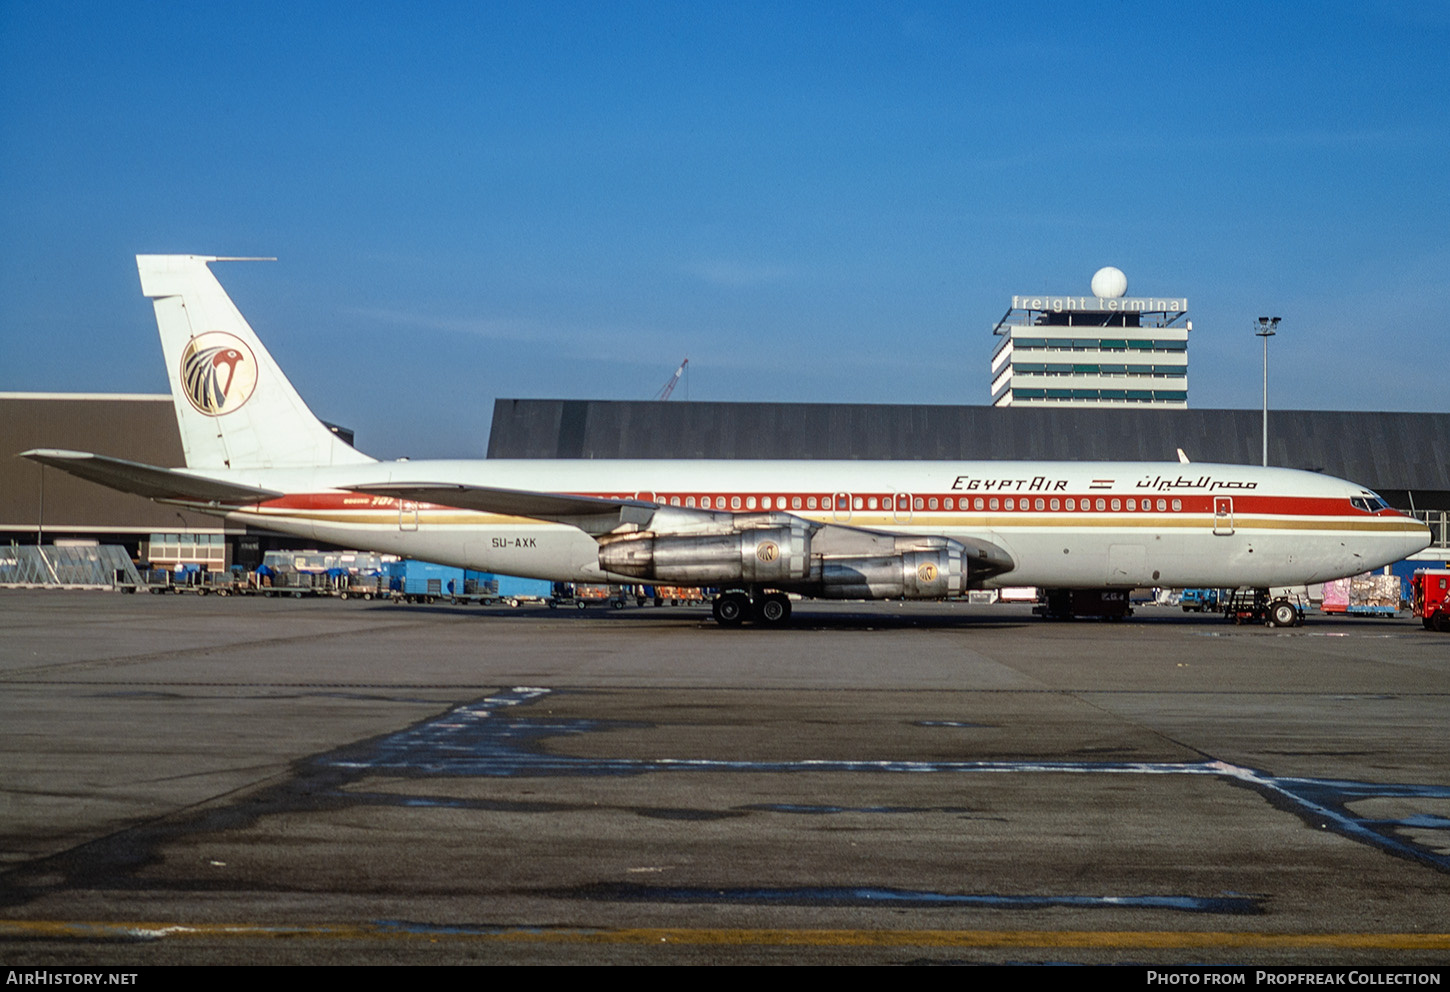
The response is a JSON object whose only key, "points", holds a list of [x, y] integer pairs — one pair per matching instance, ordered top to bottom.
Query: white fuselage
{"points": [[1064, 524]]}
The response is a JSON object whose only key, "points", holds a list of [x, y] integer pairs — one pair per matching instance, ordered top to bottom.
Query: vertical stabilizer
{"points": [[234, 406]]}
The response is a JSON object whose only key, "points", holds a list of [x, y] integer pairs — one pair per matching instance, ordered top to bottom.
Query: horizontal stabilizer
{"points": [[148, 480], [592, 514]]}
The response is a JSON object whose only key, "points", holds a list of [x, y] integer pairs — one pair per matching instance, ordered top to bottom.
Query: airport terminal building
{"points": [[1103, 349], [1091, 351]]}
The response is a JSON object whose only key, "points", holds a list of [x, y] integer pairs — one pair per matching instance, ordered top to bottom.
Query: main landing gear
{"points": [[731, 609]]}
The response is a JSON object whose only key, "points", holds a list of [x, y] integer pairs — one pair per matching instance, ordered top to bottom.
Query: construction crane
{"points": [[672, 382]]}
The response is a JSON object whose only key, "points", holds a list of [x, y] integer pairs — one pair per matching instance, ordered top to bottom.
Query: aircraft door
{"points": [[841, 508], [901, 508], [1223, 514], [407, 515]]}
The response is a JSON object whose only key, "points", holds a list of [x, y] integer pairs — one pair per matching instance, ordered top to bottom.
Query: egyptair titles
{"points": [[1044, 484]]}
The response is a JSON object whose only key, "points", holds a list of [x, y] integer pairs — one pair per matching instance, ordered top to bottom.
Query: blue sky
{"points": [[823, 201]]}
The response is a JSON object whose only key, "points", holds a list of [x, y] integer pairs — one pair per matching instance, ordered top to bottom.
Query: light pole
{"points": [[1266, 328]]}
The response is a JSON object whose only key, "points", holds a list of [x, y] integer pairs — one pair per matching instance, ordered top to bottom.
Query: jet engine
{"points": [[776, 556], [933, 573]]}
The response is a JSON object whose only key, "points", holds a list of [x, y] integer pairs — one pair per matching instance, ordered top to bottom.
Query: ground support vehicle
{"points": [[412, 581], [210, 584], [291, 584], [361, 586], [479, 589], [598, 593], [581, 595], [677, 595], [1363, 595], [1430, 596], [1200, 600], [1064, 604], [1257, 606]]}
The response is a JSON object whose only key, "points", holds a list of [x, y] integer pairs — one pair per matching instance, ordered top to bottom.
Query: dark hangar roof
{"points": [[1393, 453]]}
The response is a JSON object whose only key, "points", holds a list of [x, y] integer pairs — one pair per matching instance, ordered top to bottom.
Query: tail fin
{"points": [[234, 406]]}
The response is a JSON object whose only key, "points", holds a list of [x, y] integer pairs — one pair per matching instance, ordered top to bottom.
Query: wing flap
{"points": [[150, 481], [592, 514]]}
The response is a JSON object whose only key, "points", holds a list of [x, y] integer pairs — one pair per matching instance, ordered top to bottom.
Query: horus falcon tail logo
{"points": [[218, 373]]}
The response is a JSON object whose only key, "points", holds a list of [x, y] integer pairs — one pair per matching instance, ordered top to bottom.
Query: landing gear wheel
{"points": [[731, 609], [772, 610], [1283, 614]]}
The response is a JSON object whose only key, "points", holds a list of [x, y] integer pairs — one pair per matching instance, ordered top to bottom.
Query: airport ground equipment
{"points": [[60, 566], [412, 581], [1430, 595], [1363, 596], [1200, 600], [1065, 604], [1257, 606]]}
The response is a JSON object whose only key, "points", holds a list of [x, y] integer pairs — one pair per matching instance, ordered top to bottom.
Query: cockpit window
{"points": [[1369, 503]]}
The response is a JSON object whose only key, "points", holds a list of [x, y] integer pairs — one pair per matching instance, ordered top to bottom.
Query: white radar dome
{"points": [[1109, 282]]}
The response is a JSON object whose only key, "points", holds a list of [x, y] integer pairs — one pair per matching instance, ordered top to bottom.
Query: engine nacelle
{"points": [[766, 555], [934, 573]]}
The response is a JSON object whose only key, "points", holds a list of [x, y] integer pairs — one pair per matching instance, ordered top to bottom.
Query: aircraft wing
{"points": [[150, 481], [592, 514], [599, 516]]}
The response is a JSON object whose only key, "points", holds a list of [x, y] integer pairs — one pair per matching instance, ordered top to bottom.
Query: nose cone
{"points": [[1398, 536], [1417, 537]]}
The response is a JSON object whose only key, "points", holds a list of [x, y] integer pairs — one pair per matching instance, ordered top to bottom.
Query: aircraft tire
{"points": [[731, 609], [772, 610], [1283, 614]]}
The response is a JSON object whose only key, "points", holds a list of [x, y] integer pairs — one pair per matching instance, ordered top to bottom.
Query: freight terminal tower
{"points": [[1105, 349]]}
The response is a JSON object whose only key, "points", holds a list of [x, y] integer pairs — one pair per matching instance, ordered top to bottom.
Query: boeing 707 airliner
{"points": [[756, 530]]}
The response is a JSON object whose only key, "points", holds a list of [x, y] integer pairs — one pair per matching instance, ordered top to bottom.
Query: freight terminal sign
{"points": [[1101, 304]]}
